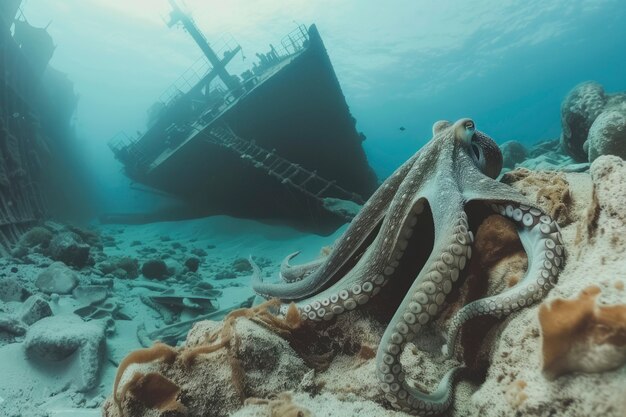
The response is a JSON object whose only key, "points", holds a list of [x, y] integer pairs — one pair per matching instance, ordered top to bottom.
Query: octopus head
{"points": [[482, 150]]}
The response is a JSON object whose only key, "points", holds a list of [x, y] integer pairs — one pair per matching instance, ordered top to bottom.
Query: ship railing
{"points": [[294, 42], [187, 80], [128, 151]]}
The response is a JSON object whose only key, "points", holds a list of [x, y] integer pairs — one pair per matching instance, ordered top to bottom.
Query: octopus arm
{"points": [[541, 237], [349, 245], [292, 273]]}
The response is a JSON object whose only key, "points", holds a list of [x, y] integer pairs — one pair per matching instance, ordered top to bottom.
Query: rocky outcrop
{"points": [[593, 122], [607, 135]]}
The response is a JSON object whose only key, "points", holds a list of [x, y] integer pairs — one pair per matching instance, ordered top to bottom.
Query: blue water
{"points": [[506, 64]]}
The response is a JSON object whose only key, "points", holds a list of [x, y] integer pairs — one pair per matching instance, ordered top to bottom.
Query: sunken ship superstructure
{"points": [[279, 142], [40, 173]]}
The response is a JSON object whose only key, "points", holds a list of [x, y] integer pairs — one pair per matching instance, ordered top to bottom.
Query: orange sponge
{"points": [[580, 336]]}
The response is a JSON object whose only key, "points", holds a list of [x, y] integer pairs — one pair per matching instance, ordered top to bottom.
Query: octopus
{"points": [[426, 206]]}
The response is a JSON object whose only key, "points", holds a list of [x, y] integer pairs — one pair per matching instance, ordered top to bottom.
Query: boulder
{"points": [[578, 111], [607, 135], [513, 153], [69, 248], [57, 279], [55, 338]]}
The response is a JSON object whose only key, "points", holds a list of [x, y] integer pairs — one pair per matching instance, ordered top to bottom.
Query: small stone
{"points": [[199, 252], [192, 264], [241, 265], [154, 269], [58, 279], [11, 290], [91, 294], [34, 309]]}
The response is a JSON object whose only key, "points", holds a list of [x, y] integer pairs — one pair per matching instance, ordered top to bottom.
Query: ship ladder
{"points": [[288, 173]]}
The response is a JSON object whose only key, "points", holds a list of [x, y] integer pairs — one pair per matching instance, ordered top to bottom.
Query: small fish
{"points": [[402, 128]]}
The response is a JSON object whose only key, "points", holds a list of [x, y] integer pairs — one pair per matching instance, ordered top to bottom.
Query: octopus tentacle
{"points": [[362, 226], [541, 238], [292, 273], [364, 281], [422, 303]]}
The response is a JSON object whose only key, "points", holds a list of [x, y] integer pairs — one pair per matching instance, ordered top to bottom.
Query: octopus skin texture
{"points": [[424, 203]]}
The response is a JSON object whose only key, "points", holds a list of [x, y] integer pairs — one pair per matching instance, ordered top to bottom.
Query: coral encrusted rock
{"points": [[578, 111], [593, 123]]}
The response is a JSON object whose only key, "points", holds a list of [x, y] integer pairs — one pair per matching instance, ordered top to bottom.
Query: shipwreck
{"points": [[277, 142]]}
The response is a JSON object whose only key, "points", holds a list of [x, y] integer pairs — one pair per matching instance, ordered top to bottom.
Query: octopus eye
{"points": [[469, 125], [485, 154]]}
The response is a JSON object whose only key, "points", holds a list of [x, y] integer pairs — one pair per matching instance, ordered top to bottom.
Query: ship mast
{"points": [[219, 66]]}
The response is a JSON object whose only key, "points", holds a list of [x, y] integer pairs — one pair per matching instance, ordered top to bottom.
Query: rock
{"points": [[578, 111], [593, 123], [607, 135], [513, 153], [343, 208], [36, 236], [68, 248], [19, 252], [199, 252], [192, 263], [113, 264], [241, 265], [174, 268], [154, 269], [57, 279], [12, 290], [91, 294], [34, 309], [11, 324], [56, 338], [522, 358], [260, 360]]}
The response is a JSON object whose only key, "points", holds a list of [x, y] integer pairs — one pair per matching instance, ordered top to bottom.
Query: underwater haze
{"points": [[507, 64], [329, 208]]}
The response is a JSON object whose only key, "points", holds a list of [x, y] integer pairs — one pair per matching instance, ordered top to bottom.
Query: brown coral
{"points": [[551, 189], [496, 239], [579, 335], [225, 336], [158, 352], [154, 391]]}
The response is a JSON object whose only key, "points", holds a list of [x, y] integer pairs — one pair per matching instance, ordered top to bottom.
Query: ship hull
{"points": [[301, 112]]}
